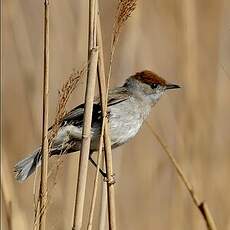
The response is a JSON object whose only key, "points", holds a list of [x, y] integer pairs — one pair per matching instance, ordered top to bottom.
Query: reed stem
{"points": [[86, 134], [45, 145], [201, 205]]}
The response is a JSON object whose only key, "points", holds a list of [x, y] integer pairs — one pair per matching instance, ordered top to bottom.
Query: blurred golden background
{"points": [[186, 42]]}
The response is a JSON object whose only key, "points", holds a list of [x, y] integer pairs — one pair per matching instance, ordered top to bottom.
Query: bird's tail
{"points": [[27, 166]]}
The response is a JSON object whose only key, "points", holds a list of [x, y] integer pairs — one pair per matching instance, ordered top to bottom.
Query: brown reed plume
{"points": [[124, 11], [64, 95]]}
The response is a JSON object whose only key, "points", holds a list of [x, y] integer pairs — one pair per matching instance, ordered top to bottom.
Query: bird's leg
{"points": [[95, 164], [104, 174]]}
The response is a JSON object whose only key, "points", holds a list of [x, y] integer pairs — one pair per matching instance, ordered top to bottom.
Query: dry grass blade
{"points": [[201, 205]]}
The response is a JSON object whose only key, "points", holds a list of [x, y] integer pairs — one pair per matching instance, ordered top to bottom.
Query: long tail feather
{"points": [[27, 166]]}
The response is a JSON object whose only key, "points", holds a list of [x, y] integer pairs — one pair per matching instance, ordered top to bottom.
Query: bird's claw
{"points": [[110, 180]]}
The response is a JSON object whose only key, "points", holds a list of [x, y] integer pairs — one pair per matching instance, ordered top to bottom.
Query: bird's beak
{"points": [[172, 86]]}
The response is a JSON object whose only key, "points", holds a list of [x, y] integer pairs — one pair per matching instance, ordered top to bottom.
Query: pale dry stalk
{"points": [[125, 8], [102, 91], [63, 96], [86, 133], [107, 143], [45, 145], [85, 146], [110, 178], [96, 179], [201, 205], [103, 206], [38, 213]]}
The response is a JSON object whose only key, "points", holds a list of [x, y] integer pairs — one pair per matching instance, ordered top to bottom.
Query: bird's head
{"points": [[149, 85]]}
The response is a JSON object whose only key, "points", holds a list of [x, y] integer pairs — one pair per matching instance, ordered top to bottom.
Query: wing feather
{"points": [[75, 116]]}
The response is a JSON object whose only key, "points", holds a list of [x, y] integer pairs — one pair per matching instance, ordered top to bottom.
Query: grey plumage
{"points": [[128, 107], [71, 128], [27, 166]]}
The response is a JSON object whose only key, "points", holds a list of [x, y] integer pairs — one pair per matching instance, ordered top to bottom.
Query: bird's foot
{"points": [[110, 180]]}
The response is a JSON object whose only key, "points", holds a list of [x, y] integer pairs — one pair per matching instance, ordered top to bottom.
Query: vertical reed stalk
{"points": [[124, 10], [102, 91], [89, 97], [107, 142], [45, 145], [85, 147], [99, 156], [110, 178], [93, 202], [103, 207]]}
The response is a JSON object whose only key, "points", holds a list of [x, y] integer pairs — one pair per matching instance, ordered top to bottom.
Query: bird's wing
{"points": [[117, 95], [75, 113], [75, 116]]}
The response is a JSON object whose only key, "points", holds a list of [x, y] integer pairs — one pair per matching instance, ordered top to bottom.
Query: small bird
{"points": [[128, 107]]}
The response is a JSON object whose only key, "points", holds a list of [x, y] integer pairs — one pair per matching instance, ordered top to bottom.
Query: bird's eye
{"points": [[154, 85]]}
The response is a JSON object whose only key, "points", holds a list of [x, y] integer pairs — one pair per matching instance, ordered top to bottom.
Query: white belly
{"points": [[125, 122]]}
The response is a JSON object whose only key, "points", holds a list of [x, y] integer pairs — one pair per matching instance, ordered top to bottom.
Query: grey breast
{"points": [[125, 121]]}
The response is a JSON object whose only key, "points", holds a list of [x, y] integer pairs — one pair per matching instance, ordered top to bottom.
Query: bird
{"points": [[128, 107]]}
